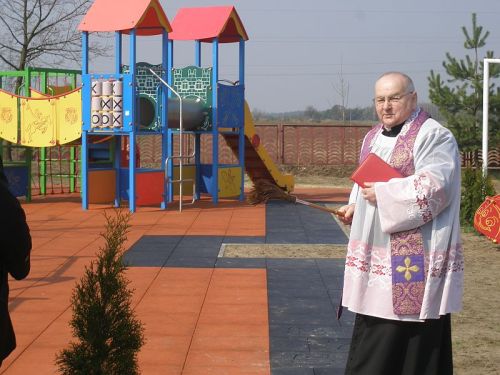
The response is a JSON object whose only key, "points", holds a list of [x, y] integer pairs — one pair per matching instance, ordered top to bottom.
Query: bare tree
{"points": [[41, 32], [342, 89]]}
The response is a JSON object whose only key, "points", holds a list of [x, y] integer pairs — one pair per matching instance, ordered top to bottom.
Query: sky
{"points": [[299, 52]]}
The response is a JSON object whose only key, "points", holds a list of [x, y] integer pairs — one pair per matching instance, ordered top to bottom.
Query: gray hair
{"points": [[410, 87]]}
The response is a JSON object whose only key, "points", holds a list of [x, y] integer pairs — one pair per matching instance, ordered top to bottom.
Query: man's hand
{"points": [[368, 193], [348, 211]]}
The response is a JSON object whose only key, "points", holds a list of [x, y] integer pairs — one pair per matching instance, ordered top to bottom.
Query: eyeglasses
{"points": [[395, 99]]}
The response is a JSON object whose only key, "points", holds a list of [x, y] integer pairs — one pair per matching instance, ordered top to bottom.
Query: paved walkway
{"points": [[203, 314]]}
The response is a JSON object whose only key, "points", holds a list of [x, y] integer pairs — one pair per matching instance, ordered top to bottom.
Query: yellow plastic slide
{"points": [[258, 163]]}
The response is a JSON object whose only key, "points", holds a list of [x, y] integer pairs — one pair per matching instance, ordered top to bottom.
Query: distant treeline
{"points": [[335, 115]]}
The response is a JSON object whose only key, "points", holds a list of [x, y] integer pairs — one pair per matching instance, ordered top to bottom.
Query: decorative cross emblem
{"points": [[407, 269]]}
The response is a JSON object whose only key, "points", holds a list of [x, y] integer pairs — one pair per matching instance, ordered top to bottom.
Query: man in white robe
{"points": [[404, 264]]}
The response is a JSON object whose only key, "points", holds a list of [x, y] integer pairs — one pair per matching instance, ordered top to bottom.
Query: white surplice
{"points": [[436, 181]]}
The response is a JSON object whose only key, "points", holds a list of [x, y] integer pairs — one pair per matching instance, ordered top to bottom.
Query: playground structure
{"points": [[139, 99], [39, 109], [111, 110], [43, 126]]}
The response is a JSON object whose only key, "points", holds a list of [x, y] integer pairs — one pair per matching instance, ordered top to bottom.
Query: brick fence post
{"points": [[281, 144]]}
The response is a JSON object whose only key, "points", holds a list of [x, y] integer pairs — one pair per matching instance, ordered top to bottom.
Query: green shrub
{"points": [[475, 188], [107, 332]]}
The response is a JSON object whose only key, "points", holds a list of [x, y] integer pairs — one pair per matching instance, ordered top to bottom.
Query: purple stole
{"points": [[407, 247]]}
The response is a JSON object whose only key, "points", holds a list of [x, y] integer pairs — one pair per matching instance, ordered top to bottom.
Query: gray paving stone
{"points": [[286, 238], [250, 240], [201, 251], [240, 263], [295, 264], [297, 294], [333, 330], [289, 344], [328, 344], [308, 359], [292, 371], [329, 371]]}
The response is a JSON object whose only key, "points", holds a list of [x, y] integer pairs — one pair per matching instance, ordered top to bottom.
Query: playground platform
{"points": [[203, 313]]}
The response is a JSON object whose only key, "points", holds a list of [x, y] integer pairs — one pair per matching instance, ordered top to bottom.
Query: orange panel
{"points": [[102, 186]]}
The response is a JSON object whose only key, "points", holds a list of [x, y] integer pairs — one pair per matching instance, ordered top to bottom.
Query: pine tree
{"points": [[460, 101], [475, 188], [107, 332]]}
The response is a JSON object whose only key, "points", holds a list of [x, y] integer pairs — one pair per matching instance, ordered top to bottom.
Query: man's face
{"points": [[393, 103]]}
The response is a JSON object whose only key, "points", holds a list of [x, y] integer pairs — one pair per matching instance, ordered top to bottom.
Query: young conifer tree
{"points": [[460, 97], [475, 189], [108, 335]]}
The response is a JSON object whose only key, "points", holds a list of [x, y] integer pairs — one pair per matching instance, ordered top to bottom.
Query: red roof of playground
{"points": [[147, 16], [206, 23]]}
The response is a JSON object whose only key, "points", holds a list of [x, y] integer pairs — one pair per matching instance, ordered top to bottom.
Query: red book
{"points": [[374, 169]]}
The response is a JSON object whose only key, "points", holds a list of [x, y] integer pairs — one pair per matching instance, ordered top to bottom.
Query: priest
{"points": [[404, 264]]}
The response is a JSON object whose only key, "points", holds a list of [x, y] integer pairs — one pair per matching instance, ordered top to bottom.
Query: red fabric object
{"points": [[147, 16], [206, 23], [255, 141], [374, 169], [487, 218]]}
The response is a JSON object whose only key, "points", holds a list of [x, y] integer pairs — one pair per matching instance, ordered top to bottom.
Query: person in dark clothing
{"points": [[3, 177], [15, 248]]}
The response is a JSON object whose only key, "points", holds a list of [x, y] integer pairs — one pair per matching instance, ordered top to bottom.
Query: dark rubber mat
{"points": [[295, 223], [305, 336]]}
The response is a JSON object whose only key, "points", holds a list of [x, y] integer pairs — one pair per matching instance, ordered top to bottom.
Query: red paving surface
{"points": [[197, 320]]}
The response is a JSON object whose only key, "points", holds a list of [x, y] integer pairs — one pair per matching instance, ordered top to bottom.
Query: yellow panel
{"points": [[37, 94], [8, 117], [69, 117], [38, 122], [188, 172], [229, 182]]}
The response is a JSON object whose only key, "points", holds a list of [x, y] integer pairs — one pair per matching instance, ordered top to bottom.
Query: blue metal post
{"points": [[85, 52], [118, 52], [197, 53], [170, 60], [242, 62], [164, 110], [215, 127], [170, 136], [197, 136], [117, 140], [241, 143], [84, 156], [197, 163], [131, 171], [85, 172]]}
